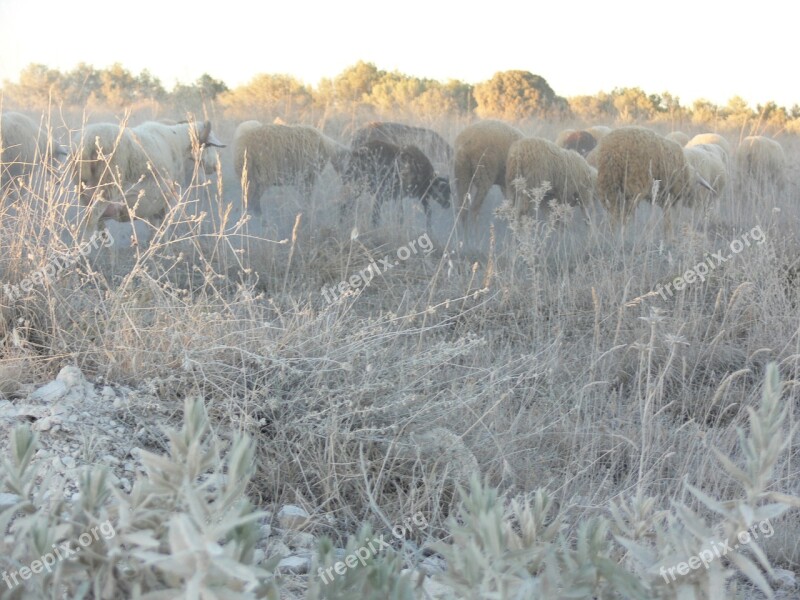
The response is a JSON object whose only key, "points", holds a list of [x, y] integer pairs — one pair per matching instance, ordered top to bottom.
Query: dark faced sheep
{"points": [[582, 142], [431, 143], [480, 162], [391, 172]]}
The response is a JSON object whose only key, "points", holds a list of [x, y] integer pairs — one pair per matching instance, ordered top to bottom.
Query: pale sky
{"points": [[690, 48]]}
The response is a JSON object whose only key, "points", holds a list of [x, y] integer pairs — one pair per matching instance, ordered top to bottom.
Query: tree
{"points": [[37, 86], [352, 86], [265, 95], [517, 95], [634, 105], [592, 109], [705, 112], [738, 113]]}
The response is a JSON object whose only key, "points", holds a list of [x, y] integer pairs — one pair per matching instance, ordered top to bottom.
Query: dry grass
{"points": [[539, 356]]}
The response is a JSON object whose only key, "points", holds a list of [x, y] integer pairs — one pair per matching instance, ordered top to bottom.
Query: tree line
{"points": [[363, 90]]}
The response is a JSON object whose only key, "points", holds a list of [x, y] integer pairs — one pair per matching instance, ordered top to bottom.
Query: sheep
{"points": [[598, 132], [562, 137], [678, 137], [710, 138], [582, 142], [431, 143], [23, 146], [283, 155], [206, 157], [762, 159], [629, 160], [532, 161], [708, 161], [480, 162], [135, 170], [389, 171]]}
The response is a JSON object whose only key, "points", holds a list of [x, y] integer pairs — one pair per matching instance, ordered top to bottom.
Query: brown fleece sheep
{"points": [[481, 150], [282, 155], [629, 160], [763, 160], [532, 161], [389, 171]]}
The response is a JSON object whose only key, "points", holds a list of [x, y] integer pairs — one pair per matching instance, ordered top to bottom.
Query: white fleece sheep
{"points": [[599, 131], [678, 137], [710, 138], [24, 145], [481, 150], [283, 155], [629, 160], [763, 160], [533, 161], [708, 161], [136, 168]]}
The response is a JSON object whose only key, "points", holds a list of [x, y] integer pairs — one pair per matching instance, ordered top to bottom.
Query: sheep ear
{"points": [[207, 137], [705, 184]]}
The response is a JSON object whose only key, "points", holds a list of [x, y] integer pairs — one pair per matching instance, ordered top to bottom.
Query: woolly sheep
{"points": [[599, 131], [562, 136], [678, 137], [710, 138], [582, 142], [431, 143], [23, 146], [283, 155], [205, 156], [762, 159], [629, 160], [532, 161], [480, 162], [708, 162], [135, 168], [389, 171]]}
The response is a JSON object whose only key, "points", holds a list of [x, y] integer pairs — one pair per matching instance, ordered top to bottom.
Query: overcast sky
{"points": [[691, 49]]}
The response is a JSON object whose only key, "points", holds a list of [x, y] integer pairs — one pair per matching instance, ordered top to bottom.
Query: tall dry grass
{"points": [[539, 357]]}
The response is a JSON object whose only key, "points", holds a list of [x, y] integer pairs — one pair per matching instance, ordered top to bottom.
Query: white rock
{"points": [[71, 376], [50, 392], [43, 424], [68, 461], [7, 500], [292, 517], [300, 540], [277, 548], [295, 564], [433, 565], [784, 578]]}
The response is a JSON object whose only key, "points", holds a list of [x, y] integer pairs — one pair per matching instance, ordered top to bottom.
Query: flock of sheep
{"points": [[124, 172]]}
